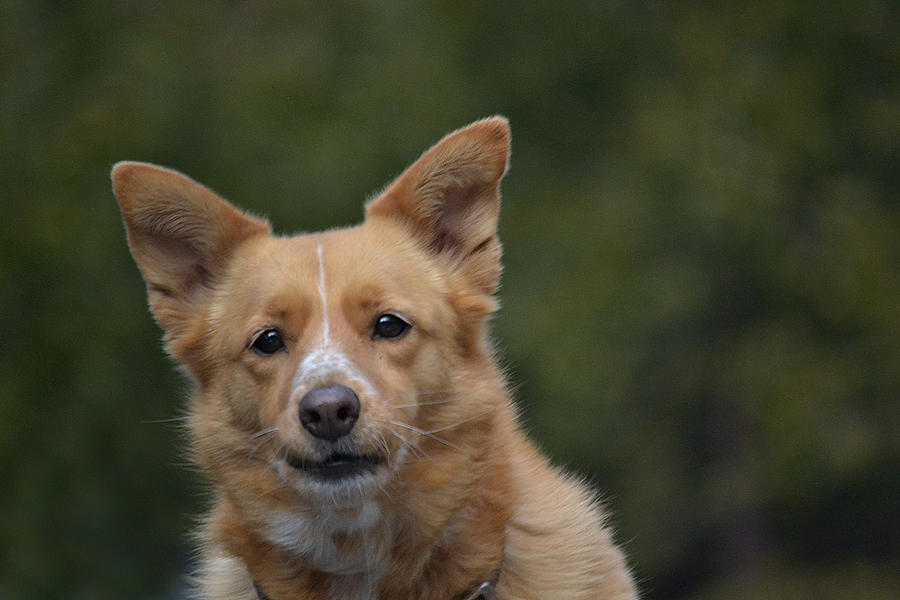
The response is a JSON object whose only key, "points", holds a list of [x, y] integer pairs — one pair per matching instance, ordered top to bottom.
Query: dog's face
{"points": [[328, 347], [329, 366]]}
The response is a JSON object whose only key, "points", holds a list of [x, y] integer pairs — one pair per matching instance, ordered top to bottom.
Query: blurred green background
{"points": [[702, 236]]}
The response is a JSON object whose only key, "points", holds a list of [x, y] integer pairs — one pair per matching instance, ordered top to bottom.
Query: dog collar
{"points": [[484, 591]]}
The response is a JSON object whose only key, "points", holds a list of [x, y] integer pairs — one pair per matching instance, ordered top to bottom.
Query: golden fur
{"points": [[458, 491]]}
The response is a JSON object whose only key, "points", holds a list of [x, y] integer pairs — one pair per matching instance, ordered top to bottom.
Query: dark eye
{"points": [[390, 326], [268, 342]]}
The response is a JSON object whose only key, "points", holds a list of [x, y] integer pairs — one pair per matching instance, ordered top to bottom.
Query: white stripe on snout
{"points": [[325, 333], [326, 363], [324, 366]]}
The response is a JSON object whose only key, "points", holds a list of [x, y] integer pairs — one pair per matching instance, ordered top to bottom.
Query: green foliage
{"points": [[702, 245]]}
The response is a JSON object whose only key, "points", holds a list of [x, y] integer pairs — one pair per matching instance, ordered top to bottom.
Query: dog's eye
{"points": [[390, 326], [268, 342]]}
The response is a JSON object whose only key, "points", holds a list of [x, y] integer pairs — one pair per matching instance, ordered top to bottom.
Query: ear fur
{"points": [[450, 199], [181, 235]]}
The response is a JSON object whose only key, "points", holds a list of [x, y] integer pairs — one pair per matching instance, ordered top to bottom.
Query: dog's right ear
{"points": [[181, 235]]}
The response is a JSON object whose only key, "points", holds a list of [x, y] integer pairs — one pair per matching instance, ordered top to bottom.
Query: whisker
{"points": [[412, 404], [180, 419], [458, 423], [259, 434], [427, 434], [382, 442], [409, 445], [257, 447], [280, 454], [383, 490]]}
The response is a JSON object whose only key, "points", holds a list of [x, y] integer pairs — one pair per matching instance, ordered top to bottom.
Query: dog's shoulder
{"points": [[558, 526]]}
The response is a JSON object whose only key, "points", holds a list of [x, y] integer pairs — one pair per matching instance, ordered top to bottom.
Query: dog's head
{"points": [[330, 365]]}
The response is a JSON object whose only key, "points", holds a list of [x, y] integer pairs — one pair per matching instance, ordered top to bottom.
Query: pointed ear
{"points": [[450, 199], [181, 235]]}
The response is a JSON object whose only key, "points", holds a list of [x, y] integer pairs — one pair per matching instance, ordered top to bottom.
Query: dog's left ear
{"points": [[450, 199]]}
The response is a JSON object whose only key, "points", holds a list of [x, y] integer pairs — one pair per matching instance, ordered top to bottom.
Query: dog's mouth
{"points": [[336, 467]]}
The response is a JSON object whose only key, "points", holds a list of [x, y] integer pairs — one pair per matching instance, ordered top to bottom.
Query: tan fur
{"points": [[458, 492]]}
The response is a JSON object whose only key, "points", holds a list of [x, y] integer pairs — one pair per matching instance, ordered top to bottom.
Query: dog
{"points": [[347, 403]]}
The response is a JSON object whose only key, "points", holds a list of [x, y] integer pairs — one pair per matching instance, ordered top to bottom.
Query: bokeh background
{"points": [[702, 236]]}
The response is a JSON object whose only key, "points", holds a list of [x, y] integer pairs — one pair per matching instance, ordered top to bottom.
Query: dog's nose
{"points": [[329, 412]]}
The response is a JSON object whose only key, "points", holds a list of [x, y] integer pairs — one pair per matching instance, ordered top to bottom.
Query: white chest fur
{"points": [[352, 543]]}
